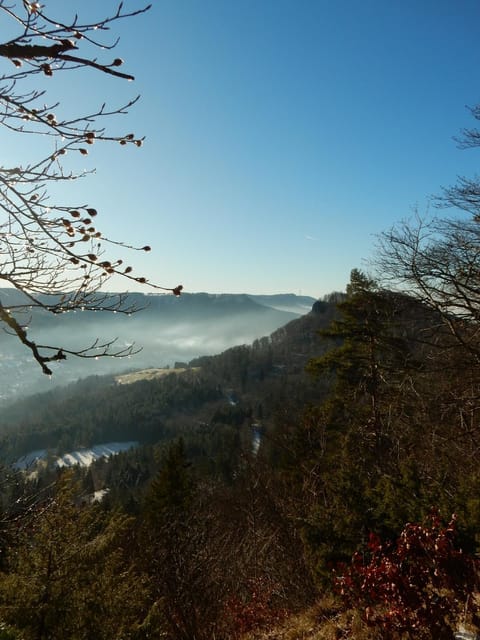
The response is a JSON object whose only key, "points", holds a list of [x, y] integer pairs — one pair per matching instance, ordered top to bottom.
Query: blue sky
{"points": [[281, 135]]}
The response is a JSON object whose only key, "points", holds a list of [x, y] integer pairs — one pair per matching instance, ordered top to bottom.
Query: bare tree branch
{"points": [[53, 252], [438, 261]]}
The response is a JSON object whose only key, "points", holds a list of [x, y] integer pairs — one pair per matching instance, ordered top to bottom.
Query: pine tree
{"points": [[360, 431], [70, 575]]}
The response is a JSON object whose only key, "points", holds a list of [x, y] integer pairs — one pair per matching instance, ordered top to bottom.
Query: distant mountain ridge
{"points": [[215, 302], [289, 302], [168, 328], [102, 409]]}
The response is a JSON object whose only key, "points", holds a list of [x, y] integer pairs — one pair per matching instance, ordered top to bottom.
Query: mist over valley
{"points": [[165, 330]]}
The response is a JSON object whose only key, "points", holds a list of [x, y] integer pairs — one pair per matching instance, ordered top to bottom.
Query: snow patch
{"points": [[81, 457], [85, 457], [29, 460], [99, 495]]}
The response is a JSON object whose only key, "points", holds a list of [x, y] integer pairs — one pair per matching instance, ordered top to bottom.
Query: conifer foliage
{"points": [[67, 575]]}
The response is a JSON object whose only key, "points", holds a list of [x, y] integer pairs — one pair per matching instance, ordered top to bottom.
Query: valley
{"points": [[165, 330], [245, 480]]}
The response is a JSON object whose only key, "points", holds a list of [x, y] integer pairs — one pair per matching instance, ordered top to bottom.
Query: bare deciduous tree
{"points": [[465, 193], [54, 253], [437, 259]]}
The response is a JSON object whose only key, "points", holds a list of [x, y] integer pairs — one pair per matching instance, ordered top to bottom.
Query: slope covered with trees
{"points": [[243, 383], [332, 465], [223, 538]]}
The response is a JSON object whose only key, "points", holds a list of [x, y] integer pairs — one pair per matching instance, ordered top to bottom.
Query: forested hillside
{"points": [[156, 331], [242, 382], [239, 466], [259, 474]]}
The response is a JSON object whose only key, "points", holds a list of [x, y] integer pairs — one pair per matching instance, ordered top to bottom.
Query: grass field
{"points": [[146, 374]]}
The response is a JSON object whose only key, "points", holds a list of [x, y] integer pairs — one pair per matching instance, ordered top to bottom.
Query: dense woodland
{"points": [[367, 410], [321, 483]]}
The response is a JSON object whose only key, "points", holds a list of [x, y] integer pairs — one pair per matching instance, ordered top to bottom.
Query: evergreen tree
{"points": [[359, 426], [69, 575]]}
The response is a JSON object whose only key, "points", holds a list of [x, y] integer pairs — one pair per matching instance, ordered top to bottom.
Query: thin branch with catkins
{"points": [[55, 253]]}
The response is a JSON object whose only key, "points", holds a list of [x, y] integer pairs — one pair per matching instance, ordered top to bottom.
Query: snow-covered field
{"points": [[82, 457]]}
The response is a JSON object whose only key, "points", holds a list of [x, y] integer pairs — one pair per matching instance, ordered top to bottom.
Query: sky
{"points": [[281, 136]]}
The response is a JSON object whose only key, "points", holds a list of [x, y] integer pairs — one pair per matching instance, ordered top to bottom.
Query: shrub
{"points": [[417, 586]]}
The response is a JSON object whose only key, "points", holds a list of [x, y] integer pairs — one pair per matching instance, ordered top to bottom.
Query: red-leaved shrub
{"points": [[417, 586], [258, 608]]}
